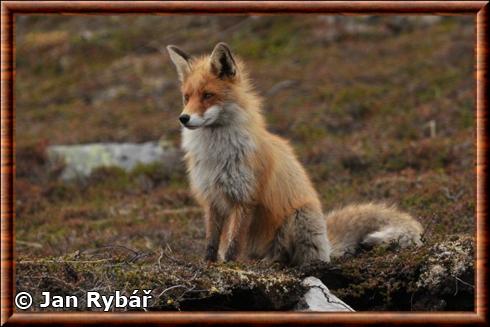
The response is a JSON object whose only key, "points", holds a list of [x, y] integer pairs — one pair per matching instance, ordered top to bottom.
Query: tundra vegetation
{"points": [[376, 108]]}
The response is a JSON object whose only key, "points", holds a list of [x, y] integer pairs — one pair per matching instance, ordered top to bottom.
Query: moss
{"points": [[172, 283]]}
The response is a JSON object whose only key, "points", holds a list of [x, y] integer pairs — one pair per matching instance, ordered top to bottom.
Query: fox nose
{"points": [[184, 119]]}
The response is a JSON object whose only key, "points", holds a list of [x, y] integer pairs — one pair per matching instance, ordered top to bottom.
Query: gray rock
{"points": [[80, 160], [319, 298]]}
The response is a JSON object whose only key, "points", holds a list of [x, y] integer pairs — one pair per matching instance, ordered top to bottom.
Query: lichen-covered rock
{"points": [[81, 159]]}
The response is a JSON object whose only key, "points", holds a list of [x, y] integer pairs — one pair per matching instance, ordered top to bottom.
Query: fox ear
{"points": [[180, 60], [222, 62]]}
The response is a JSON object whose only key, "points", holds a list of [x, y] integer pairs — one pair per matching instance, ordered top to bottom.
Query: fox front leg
{"points": [[215, 222], [238, 234]]}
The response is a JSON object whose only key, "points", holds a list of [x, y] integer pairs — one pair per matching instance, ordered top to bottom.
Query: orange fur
{"points": [[283, 184], [280, 206]]}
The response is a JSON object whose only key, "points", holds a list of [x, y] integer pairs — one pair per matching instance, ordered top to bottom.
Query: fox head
{"points": [[211, 86]]}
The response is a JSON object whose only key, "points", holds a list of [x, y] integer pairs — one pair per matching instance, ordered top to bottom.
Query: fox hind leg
{"points": [[301, 239]]}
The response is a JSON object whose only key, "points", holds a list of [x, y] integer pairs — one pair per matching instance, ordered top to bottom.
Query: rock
{"points": [[81, 160], [319, 298]]}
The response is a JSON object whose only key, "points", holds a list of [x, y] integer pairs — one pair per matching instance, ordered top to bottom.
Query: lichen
{"points": [[447, 260]]}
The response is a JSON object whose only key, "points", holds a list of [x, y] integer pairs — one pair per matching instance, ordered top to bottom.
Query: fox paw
{"points": [[232, 252], [211, 254]]}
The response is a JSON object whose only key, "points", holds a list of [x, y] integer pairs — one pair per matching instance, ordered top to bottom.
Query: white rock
{"points": [[81, 160], [319, 298]]}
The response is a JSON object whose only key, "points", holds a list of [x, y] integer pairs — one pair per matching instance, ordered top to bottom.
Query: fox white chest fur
{"points": [[221, 170]]}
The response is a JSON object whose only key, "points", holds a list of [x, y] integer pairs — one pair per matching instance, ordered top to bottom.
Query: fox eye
{"points": [[207, 95], [186, 98]]}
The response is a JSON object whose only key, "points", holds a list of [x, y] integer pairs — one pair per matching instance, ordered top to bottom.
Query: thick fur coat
{"points": [[258, 200]]}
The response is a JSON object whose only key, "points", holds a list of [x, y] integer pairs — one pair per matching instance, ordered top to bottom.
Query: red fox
{"points": [[258, 200]]}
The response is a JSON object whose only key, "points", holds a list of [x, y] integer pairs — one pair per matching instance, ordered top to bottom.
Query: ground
{"points": [[376, 108]]}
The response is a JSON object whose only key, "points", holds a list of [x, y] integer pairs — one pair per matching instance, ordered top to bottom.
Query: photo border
{"points": [[11, 8]]}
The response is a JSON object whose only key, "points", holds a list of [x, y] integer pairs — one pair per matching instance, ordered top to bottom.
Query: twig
{"points": [[450, 196], [120, 246], [139, 256], [172, 258], [160, 259], [194, 277], [463, 282], [170, 288], [185, 292]]}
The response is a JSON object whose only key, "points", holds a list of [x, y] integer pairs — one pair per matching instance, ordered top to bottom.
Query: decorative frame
{"points": [[10, 8]]}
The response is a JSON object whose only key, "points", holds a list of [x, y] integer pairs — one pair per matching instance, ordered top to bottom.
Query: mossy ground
{"points": [[358, 111]]}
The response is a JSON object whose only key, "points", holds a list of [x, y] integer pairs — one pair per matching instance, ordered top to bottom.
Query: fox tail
{"points": [[370, 224]]}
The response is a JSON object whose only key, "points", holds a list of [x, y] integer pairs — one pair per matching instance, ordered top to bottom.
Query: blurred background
{"points": [[377, 109]]}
